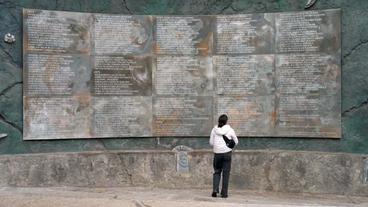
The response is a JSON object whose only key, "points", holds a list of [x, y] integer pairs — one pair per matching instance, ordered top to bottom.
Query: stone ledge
{"points": [[256, 170]]}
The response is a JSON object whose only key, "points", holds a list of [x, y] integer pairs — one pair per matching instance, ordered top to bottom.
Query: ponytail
{"points": [[222, 120]]}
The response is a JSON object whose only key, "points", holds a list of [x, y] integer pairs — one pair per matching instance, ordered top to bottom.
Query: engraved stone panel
{"points": [[55, 31], [310, 31], [248, 33], [122, 35], [185, 35], [53, 75], [99, 75], [122, 75], [184, 75], [249, 75], [308, 95], [248, 115], [122, 116], [182, 116], [56, 117]]}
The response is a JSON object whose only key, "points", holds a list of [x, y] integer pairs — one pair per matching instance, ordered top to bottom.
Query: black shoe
{"points": [[214, 194], [223, 196]]}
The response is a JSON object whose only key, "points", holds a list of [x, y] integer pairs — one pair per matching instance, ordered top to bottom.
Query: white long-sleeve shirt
{"points": [[216, 140]]}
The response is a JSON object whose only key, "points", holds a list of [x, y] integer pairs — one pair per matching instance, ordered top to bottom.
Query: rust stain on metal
{"points": [[205, 46]]}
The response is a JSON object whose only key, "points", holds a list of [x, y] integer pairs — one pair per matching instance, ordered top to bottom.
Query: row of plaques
{"points": [[101, 34], [99, 75]]}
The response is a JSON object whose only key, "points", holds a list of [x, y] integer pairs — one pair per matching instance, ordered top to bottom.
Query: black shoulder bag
{"points": [[230, 143]]}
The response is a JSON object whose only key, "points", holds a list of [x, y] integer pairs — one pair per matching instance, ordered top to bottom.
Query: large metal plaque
{"points": [[311, 31], [56, 32], [245, 34], [121, 35], [184, 35], [99, 75], [122, 75], [184, 75], [251, 75], [308, 95], [249, 115], [121, 116], [185, 116], [57, 117]]}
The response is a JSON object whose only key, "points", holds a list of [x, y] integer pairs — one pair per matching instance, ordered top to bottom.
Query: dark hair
{"points": [[222, 120]]}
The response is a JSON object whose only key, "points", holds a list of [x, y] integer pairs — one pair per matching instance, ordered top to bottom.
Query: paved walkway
{"points": [[152, 197]]}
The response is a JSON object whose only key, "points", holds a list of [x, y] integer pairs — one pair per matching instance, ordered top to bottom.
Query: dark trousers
{"points": [[221, 164]]}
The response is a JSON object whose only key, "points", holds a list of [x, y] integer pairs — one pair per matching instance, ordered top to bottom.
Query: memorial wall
{"points": [[99, 75]]}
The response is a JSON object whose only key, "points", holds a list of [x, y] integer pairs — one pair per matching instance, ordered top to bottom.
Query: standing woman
{"points": [[222, 157]]}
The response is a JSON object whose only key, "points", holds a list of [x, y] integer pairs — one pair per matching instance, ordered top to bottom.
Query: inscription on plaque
{"points": [[54, 31], [311, 31], [250, 33], [117, 34], [184, 35], [57, 74], [100, 75], [116, 75], [184, 75], [245, 75], [308, 95], [182, 115], [251, 115], [121, 116], [57, 117], [182, 158], [182, 162]]}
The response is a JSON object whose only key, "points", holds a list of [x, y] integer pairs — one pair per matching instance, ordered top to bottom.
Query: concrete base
{"points": [[277, 171]]}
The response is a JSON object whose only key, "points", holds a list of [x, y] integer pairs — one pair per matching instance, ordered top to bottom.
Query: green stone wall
{"points": [[354, 73]]}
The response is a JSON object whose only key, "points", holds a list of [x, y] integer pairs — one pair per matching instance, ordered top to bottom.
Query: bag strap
{"points": [[226, 139]]}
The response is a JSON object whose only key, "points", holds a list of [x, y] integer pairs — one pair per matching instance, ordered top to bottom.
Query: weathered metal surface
{"points": [[55, 31], [309, 31], [245, 34], [121, 35], [184, 35], [56, 75], [98, 75], [250, 75], [122, 76], [190, 76], [308, 95], [249, 115], [121, 116], [182, 116], [57, 117]]}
